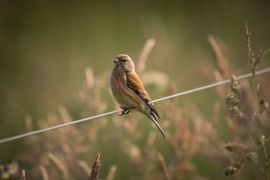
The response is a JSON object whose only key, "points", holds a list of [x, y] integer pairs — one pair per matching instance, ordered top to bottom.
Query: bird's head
{"points": [[123, 63]]}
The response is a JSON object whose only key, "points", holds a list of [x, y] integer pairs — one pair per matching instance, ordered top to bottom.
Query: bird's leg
{"points": [[125, 110]]}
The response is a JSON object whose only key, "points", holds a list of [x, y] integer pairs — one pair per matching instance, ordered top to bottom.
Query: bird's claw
{"points": [[124, 111]]}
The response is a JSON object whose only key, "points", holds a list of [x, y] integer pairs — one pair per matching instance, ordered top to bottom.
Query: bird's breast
{"points": [[117, 88], [122, 93]]}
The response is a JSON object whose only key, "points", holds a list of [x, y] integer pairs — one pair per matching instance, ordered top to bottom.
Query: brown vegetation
{"points": [[193, 139]]}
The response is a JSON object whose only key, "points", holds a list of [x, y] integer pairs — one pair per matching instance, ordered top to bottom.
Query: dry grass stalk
{"points": [[148, 46], [250, 49], [220, 59], [255, 59], [223, 69], [160, 79], [90, 80], [246, 112], [64, 115], [243, 129], [69, 143], [132, 151], [58, 164], [84, 166], [95, 168], [164, 168], [44, 173], [111, 173]]}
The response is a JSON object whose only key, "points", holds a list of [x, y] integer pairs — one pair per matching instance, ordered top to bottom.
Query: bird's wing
{"points": [[135, 84]]}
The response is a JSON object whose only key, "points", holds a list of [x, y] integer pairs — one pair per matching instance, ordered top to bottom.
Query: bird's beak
{"points": [[115, 61]]}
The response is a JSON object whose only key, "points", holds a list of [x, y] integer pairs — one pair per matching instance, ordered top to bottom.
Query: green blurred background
{"points": [[45, 47]]}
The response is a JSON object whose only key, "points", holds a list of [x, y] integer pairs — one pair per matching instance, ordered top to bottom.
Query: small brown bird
{"points": [[129, 92]]}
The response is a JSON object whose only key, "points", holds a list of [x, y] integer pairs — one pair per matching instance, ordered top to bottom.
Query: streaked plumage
{"points": [[129, 92]]}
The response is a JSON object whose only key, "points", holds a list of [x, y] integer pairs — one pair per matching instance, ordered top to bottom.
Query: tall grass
{"points": [[196, 147]]}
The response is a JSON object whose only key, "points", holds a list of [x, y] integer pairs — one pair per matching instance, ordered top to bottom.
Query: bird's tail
{"points": [[154, 116], [157, 125]]}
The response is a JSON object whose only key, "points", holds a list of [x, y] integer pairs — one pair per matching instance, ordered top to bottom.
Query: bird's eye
{"points": [[123, 60]]}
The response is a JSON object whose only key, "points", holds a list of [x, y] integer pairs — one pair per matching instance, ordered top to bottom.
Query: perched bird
{"points": [[129, 92]]}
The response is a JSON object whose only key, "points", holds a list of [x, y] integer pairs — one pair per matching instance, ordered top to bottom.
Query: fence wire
{"points": [[19, 136]]}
